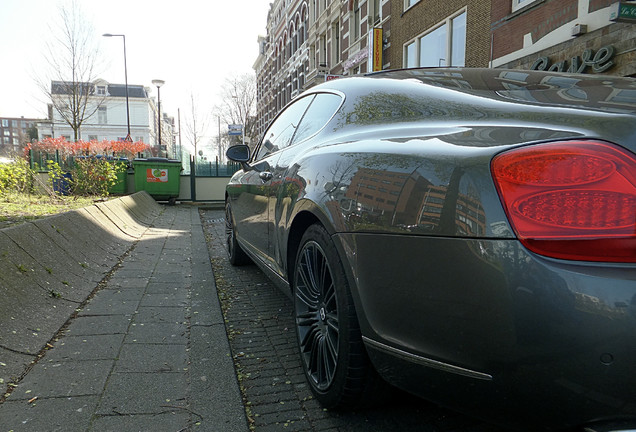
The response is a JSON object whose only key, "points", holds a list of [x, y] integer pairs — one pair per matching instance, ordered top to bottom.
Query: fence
{"points": [[39, 160]]}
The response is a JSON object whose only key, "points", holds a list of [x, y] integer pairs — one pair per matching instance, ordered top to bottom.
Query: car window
{"points": [[323, 107], [282, 130]]}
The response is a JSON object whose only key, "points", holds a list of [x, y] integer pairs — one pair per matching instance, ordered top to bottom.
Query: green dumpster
{"points": [[160, 177], [121, 185]]}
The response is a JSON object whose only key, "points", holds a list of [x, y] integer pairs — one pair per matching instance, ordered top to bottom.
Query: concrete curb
{"points": [[47, 270]]}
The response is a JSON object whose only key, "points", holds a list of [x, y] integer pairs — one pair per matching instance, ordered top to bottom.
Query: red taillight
{"points": [[572, 200]]}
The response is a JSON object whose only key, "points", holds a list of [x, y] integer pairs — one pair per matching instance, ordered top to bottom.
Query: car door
{"points": [[288, 182], [252, 207]]}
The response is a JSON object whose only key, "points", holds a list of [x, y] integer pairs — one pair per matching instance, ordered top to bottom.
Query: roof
{"points": [[114, 90], [119, 90], [583, 91]]}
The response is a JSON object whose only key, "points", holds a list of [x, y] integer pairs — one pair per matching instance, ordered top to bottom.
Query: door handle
{"points": [[266, 176]]}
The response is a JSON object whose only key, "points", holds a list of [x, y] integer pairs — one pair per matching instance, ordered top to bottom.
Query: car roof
{"points": [[598, 92]]}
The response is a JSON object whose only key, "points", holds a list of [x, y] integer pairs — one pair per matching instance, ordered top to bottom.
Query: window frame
{"points": [[408, 4], [520, 4], [356, 22], [335, 43], [102, 115], [316, 130], [257, 156]]}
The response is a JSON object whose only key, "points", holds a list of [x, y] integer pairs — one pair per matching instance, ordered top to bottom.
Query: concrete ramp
{"points": [[50, 266]]}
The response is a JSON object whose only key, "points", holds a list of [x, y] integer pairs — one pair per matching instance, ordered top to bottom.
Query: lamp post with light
{"points": [[158, 83], [128, 137]]}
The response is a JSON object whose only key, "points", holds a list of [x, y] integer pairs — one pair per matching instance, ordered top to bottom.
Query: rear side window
{"points": [[323, 107], [281, 131]]}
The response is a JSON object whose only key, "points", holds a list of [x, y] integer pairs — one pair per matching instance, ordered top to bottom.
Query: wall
{"points": [[208, 189]]}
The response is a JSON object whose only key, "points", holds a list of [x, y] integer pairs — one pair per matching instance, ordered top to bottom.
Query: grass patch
{"points": [[16, 208]]}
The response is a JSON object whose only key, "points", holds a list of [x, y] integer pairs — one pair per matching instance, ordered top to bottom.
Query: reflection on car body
{"points": [[466, 235]]}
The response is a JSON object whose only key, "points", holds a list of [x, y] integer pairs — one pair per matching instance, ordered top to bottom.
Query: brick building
{"points": [[435, 33], [582, 36], [309, 41], [15, 133]]}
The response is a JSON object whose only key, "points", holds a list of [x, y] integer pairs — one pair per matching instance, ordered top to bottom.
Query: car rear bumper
{"points": [[486, 327]]}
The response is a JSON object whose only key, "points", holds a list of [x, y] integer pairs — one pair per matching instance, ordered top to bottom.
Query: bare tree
{"points": [[72, 58], [238, 107], [195, 126]]}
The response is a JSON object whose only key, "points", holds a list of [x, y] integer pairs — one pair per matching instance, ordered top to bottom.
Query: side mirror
{"points": [[238, 153]]}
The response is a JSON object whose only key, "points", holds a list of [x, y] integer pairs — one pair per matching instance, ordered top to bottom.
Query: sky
{"points": [[193, 45]]}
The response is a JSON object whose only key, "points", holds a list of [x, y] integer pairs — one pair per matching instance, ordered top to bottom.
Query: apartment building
{"points": [[311, 41], [15, 133]]}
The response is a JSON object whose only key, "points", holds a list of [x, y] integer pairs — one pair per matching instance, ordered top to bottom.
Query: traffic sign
{"points": [[235, 129]]}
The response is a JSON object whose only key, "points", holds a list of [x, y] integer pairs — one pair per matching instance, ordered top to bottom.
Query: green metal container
{"points": [[160, 177], [121, 186]]}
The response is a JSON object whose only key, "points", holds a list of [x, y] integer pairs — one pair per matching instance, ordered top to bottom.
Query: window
{"points": [[409, 3], [518, 4], [377, 11], [355, 22], [458, 40], [335, 43], [444, 45], [433, 48], [323, 51], [410, 55], [101, 90], [323, 107], [102, 117], [280, 133], [92, 137]]}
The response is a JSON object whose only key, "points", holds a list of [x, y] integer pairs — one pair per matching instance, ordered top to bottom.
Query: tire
{"points": [[235, 254], [334, 359]]}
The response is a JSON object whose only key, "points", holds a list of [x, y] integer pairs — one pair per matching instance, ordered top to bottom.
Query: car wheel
{"points": [[236, 255], [334, 359]]}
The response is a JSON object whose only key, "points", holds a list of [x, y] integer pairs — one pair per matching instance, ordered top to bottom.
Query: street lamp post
{"points": [[158, 83], [128, 137]]}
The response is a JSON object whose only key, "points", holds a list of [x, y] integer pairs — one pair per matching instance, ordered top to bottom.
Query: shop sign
{"points": [[623, 12], [374, 43], [355, 59], [599, 62]]}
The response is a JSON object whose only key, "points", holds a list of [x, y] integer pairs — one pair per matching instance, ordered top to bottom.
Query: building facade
{"points": [[428, 33], [583, 36], [310, 41], [109, 114], [15, 133]]}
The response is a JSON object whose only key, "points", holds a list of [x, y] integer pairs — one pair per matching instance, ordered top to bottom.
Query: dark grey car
{"points": [[466, 235]]}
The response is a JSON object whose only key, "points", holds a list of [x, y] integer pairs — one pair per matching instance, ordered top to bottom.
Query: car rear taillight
{"points": [[572, 200]]}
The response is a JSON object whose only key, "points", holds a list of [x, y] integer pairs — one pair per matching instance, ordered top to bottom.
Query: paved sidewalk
{"points": [[149, 351]]}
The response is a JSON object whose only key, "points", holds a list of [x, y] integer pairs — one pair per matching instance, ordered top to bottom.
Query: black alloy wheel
{"points": [[236, 255], [333, 356]]}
